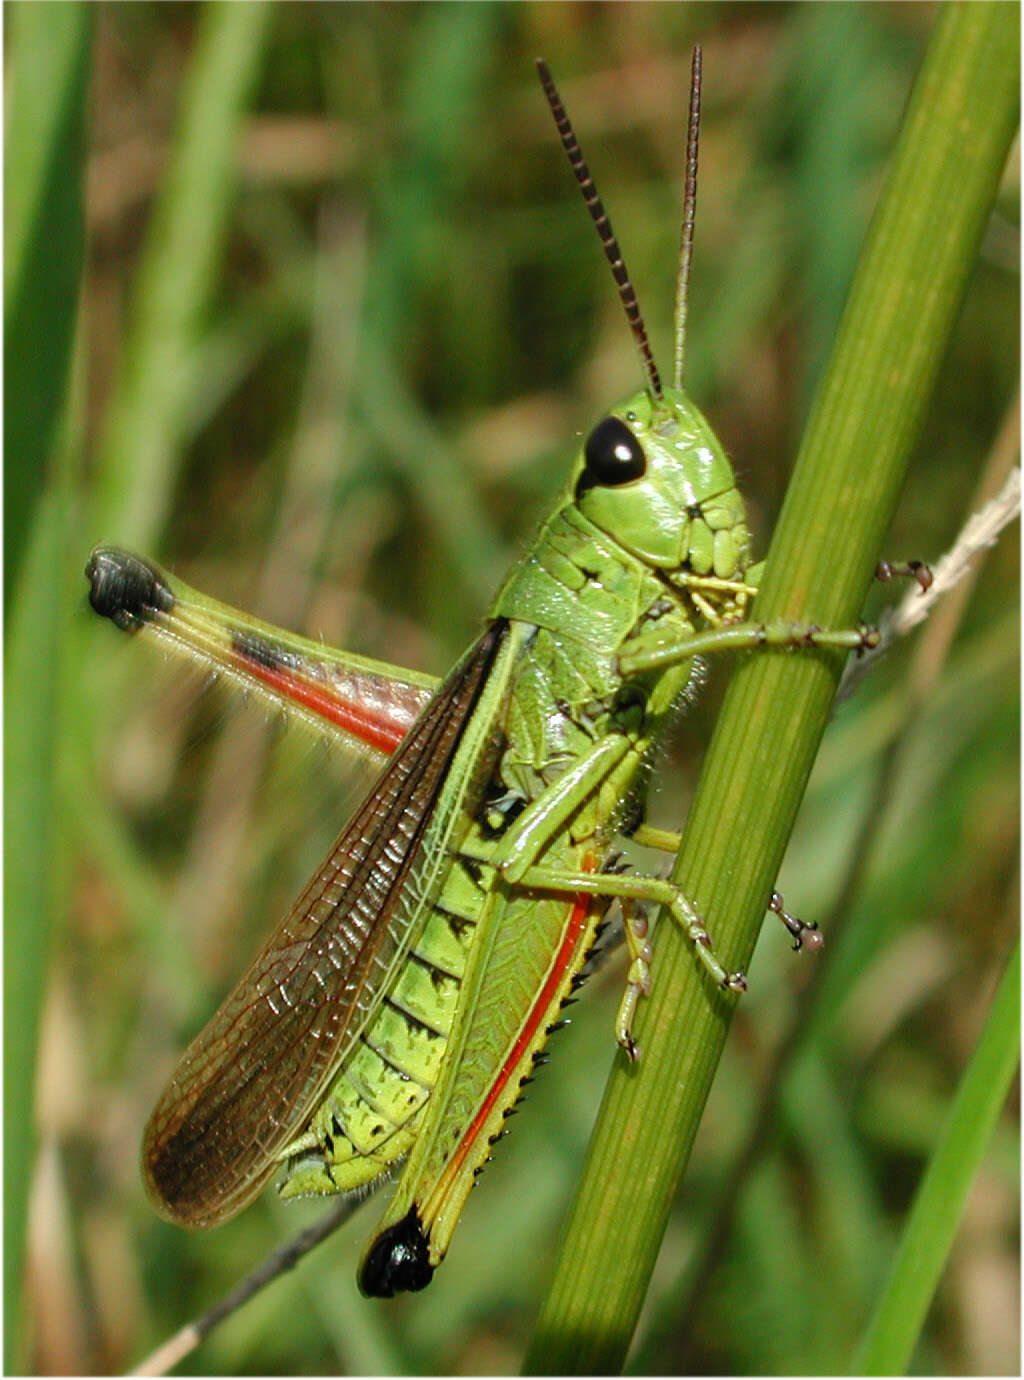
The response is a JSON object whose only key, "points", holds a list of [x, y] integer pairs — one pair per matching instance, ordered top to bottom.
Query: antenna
{"points": [[689, 208], [604, 227]]}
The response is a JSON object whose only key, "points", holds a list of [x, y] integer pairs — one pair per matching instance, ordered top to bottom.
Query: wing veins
{"points": [[246, 1084]]}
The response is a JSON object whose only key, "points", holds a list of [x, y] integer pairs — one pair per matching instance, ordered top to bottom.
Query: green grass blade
{"points": [[49, 52], [49, 61], [922, 244], [148, 413], [31, 662], [892, 1334]]}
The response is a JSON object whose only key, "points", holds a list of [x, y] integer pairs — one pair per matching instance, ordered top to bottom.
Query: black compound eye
{"points": [[613, 455]]}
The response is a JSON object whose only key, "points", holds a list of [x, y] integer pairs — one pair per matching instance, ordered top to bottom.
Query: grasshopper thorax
{"points": [[653, 476]]}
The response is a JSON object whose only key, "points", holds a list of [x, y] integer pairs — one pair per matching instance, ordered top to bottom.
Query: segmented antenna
{"points": [[689, 209], [604, 227]]}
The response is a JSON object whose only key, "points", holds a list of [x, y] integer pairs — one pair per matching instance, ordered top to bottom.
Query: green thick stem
{"points": [[922, 243]]}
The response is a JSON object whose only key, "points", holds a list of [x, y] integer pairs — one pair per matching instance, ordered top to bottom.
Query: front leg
{"points": [[654, 653]]}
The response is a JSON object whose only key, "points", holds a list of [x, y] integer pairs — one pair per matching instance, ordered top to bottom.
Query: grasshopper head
{"points": [[654, 477]]}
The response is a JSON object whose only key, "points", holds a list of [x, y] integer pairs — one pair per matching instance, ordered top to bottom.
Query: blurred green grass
{"points": [[384, 323]]}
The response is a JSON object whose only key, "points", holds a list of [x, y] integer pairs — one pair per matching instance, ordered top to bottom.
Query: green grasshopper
{"points": [[396, 1011]]}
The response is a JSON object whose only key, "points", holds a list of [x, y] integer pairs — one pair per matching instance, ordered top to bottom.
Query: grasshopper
{"points": [[396, 1011]]}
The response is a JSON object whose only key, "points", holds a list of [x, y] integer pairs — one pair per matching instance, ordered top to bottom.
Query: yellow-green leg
{"points": [[652, 652], [633, 888], [805, 936]]}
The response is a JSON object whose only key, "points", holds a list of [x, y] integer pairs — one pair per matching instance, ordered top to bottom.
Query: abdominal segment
{"points": [[370, 1113]]}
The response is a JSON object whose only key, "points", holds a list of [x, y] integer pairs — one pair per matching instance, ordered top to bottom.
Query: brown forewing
{"points": [[250, 1079]]}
